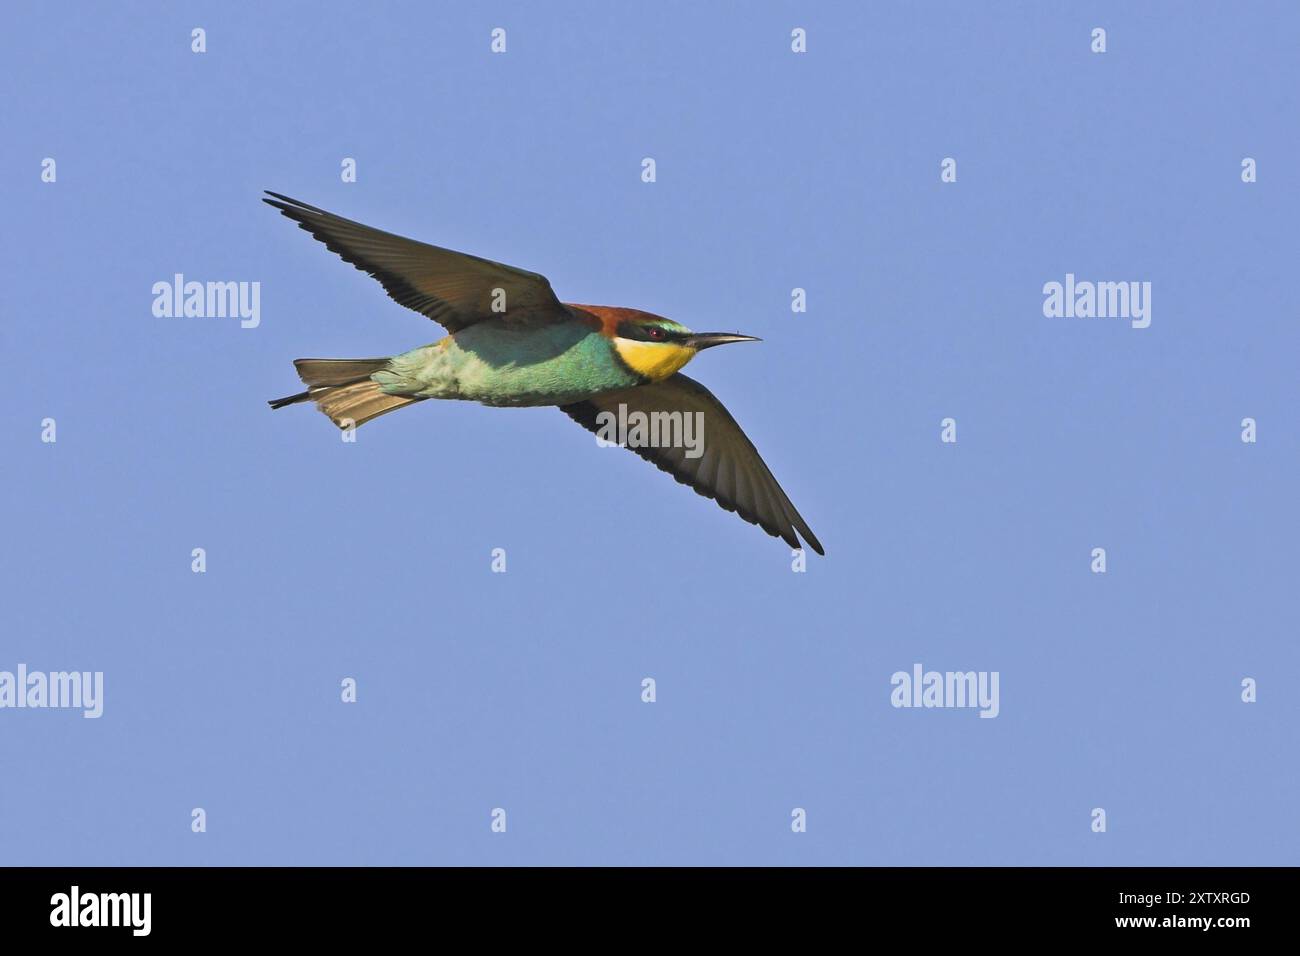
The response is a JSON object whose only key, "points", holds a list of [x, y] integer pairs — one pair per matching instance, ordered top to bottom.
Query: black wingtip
{"points": [[289, 204], [806, 536]]}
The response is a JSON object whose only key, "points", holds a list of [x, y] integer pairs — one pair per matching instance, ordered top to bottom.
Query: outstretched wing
{"points": [[454, 289], [729, 469]]}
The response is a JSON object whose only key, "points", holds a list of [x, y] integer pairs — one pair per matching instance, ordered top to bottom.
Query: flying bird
{"points": [[512, 343]]}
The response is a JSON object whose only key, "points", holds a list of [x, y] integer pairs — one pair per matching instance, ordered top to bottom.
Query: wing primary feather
{"points": [[455, 289], [731, 471]]}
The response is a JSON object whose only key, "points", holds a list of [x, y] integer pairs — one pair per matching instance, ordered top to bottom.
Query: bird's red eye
{"points": [[656, 333]]}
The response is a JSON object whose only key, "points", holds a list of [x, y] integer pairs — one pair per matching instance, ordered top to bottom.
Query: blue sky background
{"points": [[522, 690]]}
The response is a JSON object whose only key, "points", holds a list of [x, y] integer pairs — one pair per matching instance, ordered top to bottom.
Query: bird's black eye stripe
{"points": [[646, 333]]}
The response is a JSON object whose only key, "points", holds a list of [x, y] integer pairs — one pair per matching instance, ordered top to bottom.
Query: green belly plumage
{"points": [[496, 363]]}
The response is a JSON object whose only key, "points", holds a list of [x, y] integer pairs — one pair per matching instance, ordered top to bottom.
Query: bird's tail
{"points": [[342, 389]]}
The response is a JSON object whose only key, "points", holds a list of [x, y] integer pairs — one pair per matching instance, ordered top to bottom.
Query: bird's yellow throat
{"points": [[655, 360]]}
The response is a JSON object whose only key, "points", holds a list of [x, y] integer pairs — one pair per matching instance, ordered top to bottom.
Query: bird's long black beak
{"points": [[706, 340]]}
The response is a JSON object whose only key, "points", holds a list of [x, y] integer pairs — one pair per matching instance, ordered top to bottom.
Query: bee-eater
{"points": [[511, 342]]}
